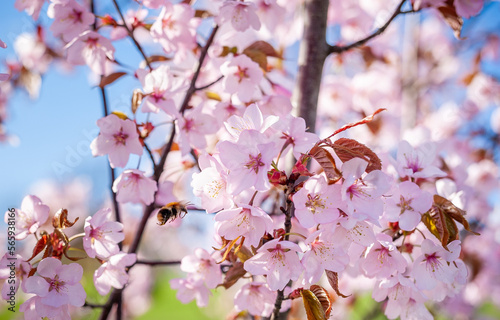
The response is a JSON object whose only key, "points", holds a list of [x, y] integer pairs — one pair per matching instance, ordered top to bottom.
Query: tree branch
{"points": [[131, 35], [340, 49], [210, 84], [157, 263]]}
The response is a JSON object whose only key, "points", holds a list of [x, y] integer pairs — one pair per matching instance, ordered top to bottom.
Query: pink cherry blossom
{"points": [[154, 4], [32, 7], [468, 8], [270, 13], [241, 14], [70, 18], [175, 27], [2, 44], [92, 49], [32, 52], [241, 77], [160, 87], [252, 119], [192, 129], [294, 133], [118, 139], [248, 161], [417, 162], [210, 185], [133, 186], [362, 193], [317, 202], [407, 204], [30, 217], [245, 221], [102, 235], [322, 254], [383, 259], [278, 260], [202, 266], [433, 266], [17, 267], [113, 272], [57, 284], [190, 289], [256, 298], [404, 299], [35, 309]]}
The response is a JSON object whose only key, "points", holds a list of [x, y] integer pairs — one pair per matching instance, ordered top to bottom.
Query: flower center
{"points": [[76, 15], [241, 73], [120, 137], [255, 163], [315, 203], [404, 204], [55, 284]]}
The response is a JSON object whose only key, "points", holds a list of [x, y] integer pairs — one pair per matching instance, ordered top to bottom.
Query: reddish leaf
{"points": [[452, 18], [259, 51], [158, 58], [109, 79], [354, 124], [347, 149], [326, 161], [60, 219], [441, 220], [40, 245], [235, 273], [333, 279], [324, 298], [314, 309]]}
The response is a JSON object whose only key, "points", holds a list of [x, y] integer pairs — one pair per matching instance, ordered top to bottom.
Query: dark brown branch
{"points": [[131, 34], [359, 43], [312, 54], [150, 154], [157, 263], [92, 305]]}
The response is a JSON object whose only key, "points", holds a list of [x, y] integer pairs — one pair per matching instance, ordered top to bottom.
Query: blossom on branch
{"points": [[92, 49], [133, 186], [30, 217], [102, 235], [112, 273]]}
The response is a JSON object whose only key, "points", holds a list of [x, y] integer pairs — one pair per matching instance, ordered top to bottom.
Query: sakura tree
{"points": [[337, 148]]}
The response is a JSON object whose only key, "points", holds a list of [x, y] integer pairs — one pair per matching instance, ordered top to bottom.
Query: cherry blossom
{"points": [[32, 7], [468, 8], [241, 14], [70, 18], [174, 28], [92, 49], [241, 77], [160, 87], [252, 119], [193, 127], [294, 133], [118, 139], [248, 161], [417, 162], [210, 185], [133, 186], [362, 193], [317, 202], [407, 204], [30, 217], [246, 221], [102, 235], [323, 254], [383, 259], [278, 260], [433, 265], [201, 266], [22, 269], [112, 273], [57, 284], [190, 289], [256, 297], [404, 299], [34, 309]]}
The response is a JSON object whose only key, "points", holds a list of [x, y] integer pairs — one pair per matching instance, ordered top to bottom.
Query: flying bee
{"points": [[171, 211]]}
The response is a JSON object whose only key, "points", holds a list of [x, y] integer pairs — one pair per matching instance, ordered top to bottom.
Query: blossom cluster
{"points": [[291, 210]]}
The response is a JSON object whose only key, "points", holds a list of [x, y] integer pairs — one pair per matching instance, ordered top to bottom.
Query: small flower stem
{"points": [[210, 84], [76, 236], [157, 263]]}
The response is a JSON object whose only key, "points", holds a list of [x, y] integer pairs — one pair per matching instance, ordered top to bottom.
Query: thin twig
{"points": [[131, 35], [340, 49], [210, 84], [150, 154]]}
